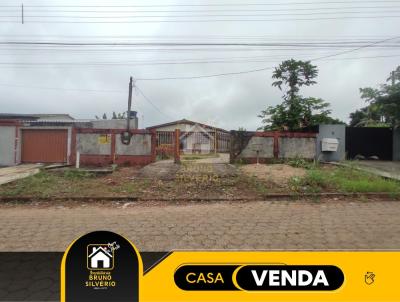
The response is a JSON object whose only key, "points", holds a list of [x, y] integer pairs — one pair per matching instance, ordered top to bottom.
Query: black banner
{"points": [[100, 266], [259, 277]]}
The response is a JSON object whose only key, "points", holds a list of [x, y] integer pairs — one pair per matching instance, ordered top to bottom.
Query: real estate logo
{"points": [[100, 257], [100, 263], [101, 266]]}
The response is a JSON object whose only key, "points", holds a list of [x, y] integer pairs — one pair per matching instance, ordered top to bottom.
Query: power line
{"points": [[215, 5], [208, 10], [202, 15], [206, 20], [219, 37], [177, 44], [355, 49], [155, 63], [261, 69], [61, 88], [85, 90], [148, 100]]}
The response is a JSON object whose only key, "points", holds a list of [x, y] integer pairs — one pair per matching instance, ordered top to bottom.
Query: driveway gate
{"points": [[368, 141], [44, 146]]}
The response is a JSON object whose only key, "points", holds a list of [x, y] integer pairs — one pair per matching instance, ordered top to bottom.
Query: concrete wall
{"points": [[114, 124], [332, 131], [93, 143], [140, 144], [396, 144], [7, 145], [247, 146], [265, 146], [101, 147], [289, 147], [292, 147]]}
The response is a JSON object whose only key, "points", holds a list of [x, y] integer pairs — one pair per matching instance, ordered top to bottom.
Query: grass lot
{"points": [[341, 179], [71, 183], [200, 183]]}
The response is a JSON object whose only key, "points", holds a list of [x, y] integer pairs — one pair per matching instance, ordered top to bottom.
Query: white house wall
{"points": [[7, 145]]}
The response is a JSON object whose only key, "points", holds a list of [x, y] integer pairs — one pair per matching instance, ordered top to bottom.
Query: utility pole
{"points": [[22, 13], [129, 104]]}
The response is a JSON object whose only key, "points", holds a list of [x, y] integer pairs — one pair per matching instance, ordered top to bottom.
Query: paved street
{"points": [[252, 225]]}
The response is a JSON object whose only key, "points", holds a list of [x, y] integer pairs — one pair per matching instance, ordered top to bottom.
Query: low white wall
{"points": [[93, 144], [140, 144]]}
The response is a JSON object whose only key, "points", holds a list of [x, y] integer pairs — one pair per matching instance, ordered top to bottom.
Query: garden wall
{"points": [[247, 146], [99, 147]]}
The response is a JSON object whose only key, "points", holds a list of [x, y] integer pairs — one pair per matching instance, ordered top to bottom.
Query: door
{"points": [[44, 146]]}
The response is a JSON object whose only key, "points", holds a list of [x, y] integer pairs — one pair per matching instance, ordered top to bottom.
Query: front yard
{"points": [[192, 180]]}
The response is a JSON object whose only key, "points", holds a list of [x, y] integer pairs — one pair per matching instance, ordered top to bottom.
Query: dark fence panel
{"points": [[368, 142]]}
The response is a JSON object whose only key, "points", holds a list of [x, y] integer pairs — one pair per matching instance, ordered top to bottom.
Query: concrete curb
{"points": [[271, 196]]}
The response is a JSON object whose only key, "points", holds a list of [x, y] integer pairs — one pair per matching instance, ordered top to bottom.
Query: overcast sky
{"points": [[91, 80]]}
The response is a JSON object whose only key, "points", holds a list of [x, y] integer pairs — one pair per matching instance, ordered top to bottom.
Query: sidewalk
{"points": [[10, 174], [262, 225]]}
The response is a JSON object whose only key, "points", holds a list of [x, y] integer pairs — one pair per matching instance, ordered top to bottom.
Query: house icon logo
{"points": [[100, 257]]}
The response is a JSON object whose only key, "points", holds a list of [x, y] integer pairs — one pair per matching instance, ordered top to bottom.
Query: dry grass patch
{"points": [[277, 174]]}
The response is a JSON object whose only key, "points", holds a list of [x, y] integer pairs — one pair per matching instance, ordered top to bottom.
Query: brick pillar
{"points": [[276, 144], [153, 145], [177, 151], [72, 155]]}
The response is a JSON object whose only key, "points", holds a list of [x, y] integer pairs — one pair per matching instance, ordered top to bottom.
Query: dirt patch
{"points": [[278, 174]]}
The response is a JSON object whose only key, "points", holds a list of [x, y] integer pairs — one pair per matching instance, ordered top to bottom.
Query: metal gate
{"points": [[368, 141], [192, 142], [165, 144], [44, 146]]}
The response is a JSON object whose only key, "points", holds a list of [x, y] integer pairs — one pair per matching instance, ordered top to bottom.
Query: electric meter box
{"points": [[329, 144]]}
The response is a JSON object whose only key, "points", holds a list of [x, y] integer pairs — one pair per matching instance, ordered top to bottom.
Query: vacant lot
{"points": [[198, 180], [160, 181]]}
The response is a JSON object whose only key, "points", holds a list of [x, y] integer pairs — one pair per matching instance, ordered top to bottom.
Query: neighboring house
{"points": [[36, 117], [194, 137], [57, 138], [197, 140], [100, 258]]}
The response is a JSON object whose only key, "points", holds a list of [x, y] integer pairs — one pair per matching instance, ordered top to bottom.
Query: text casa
{"points": [[205, 278]]}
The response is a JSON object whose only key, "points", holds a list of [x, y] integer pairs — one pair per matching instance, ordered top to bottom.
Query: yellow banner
{"points": [[274, 276]]}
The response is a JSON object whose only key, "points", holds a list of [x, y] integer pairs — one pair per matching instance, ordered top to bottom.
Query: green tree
{"points": [[294, 74], [383, 109], [295, 112], [115, 116]]}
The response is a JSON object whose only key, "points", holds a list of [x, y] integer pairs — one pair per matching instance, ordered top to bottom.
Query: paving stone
{"points": [[252, 225]]}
